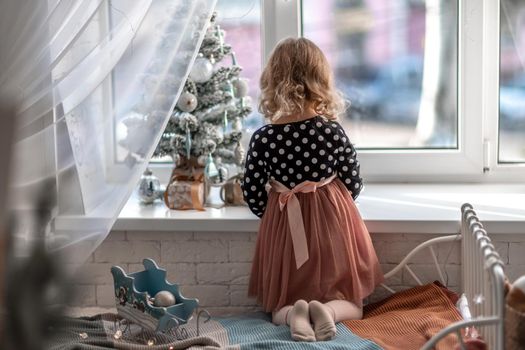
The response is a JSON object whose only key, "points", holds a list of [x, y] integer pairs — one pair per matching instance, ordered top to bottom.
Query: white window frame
{"points": [[475, 159], [502, 172]]}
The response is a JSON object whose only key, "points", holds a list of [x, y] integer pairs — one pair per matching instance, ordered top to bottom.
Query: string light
{"points": [[118, 334]]}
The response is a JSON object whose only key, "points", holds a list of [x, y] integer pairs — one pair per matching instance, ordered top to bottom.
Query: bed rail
{"points": [[406, 260], [483, 281]]}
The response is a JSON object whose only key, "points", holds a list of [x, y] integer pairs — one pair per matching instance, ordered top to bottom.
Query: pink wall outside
{"points": [[319, 18], [320, 28], [416, 31], [377, 44]]}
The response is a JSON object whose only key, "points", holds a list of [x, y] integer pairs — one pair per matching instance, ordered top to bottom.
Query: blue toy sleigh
{"points": [[133, 292]]}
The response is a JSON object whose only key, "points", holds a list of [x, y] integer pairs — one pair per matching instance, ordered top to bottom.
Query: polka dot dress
{"points": [[312, 149]]}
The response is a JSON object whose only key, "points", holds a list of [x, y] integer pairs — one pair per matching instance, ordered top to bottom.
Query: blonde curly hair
{"points": [[296, 77]]}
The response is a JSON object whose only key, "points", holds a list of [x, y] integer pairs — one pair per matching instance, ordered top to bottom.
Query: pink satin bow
{"points": [[288, 198]]}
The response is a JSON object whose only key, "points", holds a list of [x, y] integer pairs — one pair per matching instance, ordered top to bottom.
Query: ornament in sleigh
{"points": [[149, 300]]}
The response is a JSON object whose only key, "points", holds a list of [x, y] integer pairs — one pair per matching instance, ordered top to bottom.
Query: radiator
{"points": [[483, 278]]}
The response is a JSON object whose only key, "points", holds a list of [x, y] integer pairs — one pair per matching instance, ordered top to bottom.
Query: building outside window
{"points": [[396, 62]]}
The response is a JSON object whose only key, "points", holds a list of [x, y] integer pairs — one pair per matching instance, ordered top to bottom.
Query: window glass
{"points": [[241, 19], [396, 62], [512, 82]]}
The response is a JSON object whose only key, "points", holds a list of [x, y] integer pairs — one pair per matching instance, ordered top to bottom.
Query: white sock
{"points": [[280, 316], [323, 319], [299, 321]]}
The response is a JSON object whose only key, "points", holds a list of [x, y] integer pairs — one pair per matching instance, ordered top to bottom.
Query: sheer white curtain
{"points": [[93, 83]]}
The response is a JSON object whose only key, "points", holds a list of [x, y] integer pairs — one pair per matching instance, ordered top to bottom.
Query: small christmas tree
{"points": [[206, 125]]}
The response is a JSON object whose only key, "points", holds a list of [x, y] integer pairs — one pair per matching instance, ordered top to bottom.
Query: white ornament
{"points": [[202, 70], [240, 87], [187, 102], [237, 125], [239, 154], [176, 158], [202, 160], [149, 185], [164, 298]]}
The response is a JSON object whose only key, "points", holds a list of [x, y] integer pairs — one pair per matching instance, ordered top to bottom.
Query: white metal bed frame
{"points": [[482, 277]]}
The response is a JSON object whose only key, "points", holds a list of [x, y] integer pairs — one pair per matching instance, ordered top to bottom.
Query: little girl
{"points": [[314, 261]]}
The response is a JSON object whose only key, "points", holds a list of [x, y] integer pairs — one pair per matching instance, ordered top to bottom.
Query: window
{"points": [[241, 20], [396, 62], [512, 82], [424, 106], [444, 124]]}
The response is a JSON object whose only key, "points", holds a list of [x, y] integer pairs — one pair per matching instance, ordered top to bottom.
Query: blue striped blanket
{"points": [[404, 321], [250, 332], [260, 333]]}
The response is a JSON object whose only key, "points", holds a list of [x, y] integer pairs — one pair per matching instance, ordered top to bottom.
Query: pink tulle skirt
{"points": [[342, 262]]}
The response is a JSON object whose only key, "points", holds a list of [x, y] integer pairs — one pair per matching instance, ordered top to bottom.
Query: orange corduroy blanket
{"points": [[407, 319]]}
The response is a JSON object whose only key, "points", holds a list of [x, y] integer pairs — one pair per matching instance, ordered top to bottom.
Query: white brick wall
{"points": [[215, 266]]}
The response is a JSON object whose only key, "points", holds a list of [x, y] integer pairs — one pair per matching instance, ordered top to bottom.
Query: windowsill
{"points": [[394, 208]]}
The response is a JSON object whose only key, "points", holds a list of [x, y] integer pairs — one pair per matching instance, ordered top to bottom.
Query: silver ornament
{"points": [[220, 35], [202, 70], [228, 87], [240, 87], [187, 102], [225, 120], [237, 125], [188, 143], [239, 154], [210, 170], [223, 174], [215, 175], [220, 176], [149, 186], [164, 298]]}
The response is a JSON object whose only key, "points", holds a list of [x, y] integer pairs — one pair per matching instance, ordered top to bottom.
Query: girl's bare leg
{"points": [[345, 310]]}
